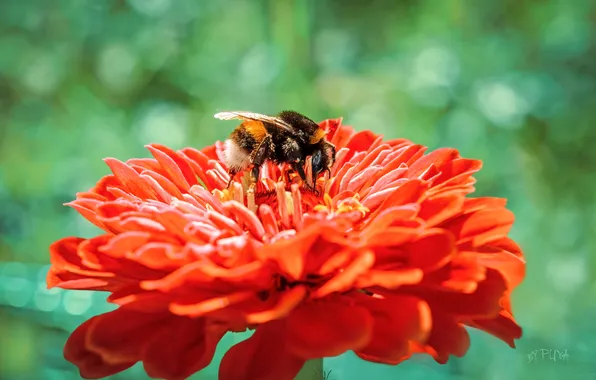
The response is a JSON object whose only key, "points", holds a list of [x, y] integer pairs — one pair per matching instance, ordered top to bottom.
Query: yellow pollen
{"points": [[236, 193], [224, 195], [250, 199], [289, 202], [343, 206]]}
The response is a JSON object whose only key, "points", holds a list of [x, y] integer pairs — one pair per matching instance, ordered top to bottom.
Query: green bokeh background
{"points": [[510, 82]]}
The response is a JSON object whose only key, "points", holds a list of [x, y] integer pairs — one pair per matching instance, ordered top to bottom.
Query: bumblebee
{"points": [[288, 138]]}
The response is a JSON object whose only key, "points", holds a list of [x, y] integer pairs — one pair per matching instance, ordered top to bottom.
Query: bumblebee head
{"points": [[323, 158]]}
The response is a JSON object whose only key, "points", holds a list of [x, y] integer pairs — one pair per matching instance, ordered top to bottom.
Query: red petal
{"points": [[330, 126], [342, 136], [361, 141], [210, 151], [437, 157], [180, 161], [198, 161], [142, 164], [178, 170], [457, 171], [130, 178], [104, 183], [162, 186], [409, 192], [475, 204], [87, 208], [118, 208], [439, 208], [387, 217], [482, 226], [392, 237], [120, 245], [432, 250], [290, 254], [64, 256], [90, 256], [161, 256], [512, 267], [255, 274], [346, 279], [390, 279], [67, 280], [135, 299], [286, 302], [482, 303], [201, 304], [397, 321], [503, 326], [330, 328], [120, 336], [447, 337], [183, 349], [263, 356], [90, 364]]}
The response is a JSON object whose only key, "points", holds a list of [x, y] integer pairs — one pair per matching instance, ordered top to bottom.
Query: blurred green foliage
{"points": [[510, 82]]}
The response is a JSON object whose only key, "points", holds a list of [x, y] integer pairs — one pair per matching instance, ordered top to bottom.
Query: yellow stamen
{"points": [[237, 191], [223, 195], [250, 199], [289, 202], [343, 206]]}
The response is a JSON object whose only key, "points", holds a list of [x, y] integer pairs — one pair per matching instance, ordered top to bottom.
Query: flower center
{"points": [[301, 197], [282, 207]]}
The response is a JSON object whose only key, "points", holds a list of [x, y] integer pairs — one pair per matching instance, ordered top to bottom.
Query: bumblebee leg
{"points": [[258, 157], [299, 167], [232, 173], [254, 173], [287, 174]]}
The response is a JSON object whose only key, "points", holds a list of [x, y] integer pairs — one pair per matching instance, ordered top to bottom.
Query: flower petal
{"points": [[437, 157], [175, 166], [131, 180], [409, 192], [442, 207], [87, 208], [481, 227], [126, 242], [433, 249], [290, 253], [64, 256], [512, 267], [346, 279], [390, 279], [67, 280], [287, 301], [482, 303], [397, 321], [503, 326], [330, 328], [120, 335], [447, 337], [181, 350], [263, 356], [90, 364]]}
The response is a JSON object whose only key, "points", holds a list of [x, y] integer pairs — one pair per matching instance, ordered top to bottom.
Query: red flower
{"points": [[392, 259]]}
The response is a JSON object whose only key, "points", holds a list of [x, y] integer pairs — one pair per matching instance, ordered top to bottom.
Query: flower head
{"points": [[389, 257]]}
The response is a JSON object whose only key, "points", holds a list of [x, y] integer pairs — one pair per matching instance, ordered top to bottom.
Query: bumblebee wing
{"points": [[241, 115]]}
